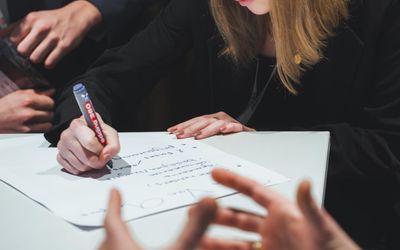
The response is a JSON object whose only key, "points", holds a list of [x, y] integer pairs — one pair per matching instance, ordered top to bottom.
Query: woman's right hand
{"points": [[79, 150]]}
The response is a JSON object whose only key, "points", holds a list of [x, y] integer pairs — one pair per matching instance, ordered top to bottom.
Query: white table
{"points": [[40, 229]]}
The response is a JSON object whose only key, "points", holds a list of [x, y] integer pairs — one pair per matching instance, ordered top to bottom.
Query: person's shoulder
{"points": [[187, 7], [373, 8], [369, 18]]}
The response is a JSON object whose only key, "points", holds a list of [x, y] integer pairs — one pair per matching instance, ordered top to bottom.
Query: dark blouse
{"points": [[354, 93]]}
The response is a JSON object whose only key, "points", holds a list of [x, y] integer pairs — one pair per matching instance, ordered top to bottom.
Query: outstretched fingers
{"points": [[246, 186], [308, 206], [200, 217], [239, 219], [117, 233]]}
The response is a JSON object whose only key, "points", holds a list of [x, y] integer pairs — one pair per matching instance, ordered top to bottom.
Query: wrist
{"points": [[88, 12]]}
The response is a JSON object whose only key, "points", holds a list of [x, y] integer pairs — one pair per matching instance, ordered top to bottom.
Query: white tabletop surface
{"points": [[25, 224]]}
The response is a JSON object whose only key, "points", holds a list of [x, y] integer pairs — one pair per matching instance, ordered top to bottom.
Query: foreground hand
{"points": [[47, 36], [25, 111], [208, 125], [79, 149], [287, 225], [118, 236]]}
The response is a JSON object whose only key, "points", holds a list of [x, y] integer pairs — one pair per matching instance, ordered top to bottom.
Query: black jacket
{"points": [[354, 93]]}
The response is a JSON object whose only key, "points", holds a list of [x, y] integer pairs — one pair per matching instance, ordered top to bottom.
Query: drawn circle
{"points": [[151, 203]]}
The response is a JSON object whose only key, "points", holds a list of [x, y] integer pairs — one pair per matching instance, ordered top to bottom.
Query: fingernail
{"points": [[222, 128]]}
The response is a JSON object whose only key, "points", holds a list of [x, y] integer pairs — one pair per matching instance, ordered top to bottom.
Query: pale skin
{"points": [[47, 36], [43, 37], [25, 111], [222, 123], [79, 150], [77, 155], [301, 225], [288, 226], [118, 236]]}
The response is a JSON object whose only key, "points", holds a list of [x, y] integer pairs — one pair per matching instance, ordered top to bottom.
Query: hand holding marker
{"points": [[88, 112]]}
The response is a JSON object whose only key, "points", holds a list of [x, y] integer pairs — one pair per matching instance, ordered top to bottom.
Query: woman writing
{"points": [[277, 65]]}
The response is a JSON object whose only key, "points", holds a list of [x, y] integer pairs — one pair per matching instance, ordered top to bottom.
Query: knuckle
{"points": [[31, 17], [42, 27], [53, 37], [65, 44], [27, 101], [27, 115], [211, 119], [75, 124], [188, 131], [63, 137], [92, 143], [59, 160], [91, 161], [258, 192]]}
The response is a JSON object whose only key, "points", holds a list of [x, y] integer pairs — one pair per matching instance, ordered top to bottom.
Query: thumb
{"points": [[308, 206], [200, 217], [113, 220], [117, 233]]}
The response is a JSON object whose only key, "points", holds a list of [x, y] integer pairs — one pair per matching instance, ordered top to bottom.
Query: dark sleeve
{"points": [[117, 15], [122, 76], [370, 151], [364, 169]]}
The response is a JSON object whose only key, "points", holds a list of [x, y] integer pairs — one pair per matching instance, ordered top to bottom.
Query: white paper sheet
{"points": [[154, 171]]}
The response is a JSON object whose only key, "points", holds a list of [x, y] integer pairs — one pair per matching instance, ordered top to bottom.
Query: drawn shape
{"points": [[197, 193], [152, 203]]}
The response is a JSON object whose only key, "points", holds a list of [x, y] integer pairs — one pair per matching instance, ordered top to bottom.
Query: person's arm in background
{"points": [[116, 16], [43, 36], [47, 36], [120, 79], [26, 111]]}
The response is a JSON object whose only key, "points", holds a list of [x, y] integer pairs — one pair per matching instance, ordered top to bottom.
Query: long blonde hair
{"points": [[299, 28]]}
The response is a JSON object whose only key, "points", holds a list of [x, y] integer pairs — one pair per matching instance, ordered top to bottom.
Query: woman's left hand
{"points": [[208, 125]]}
